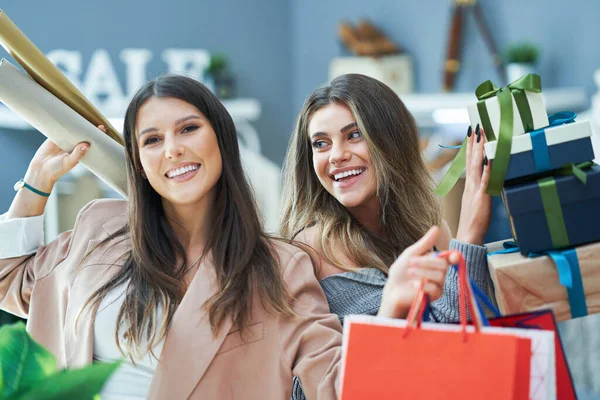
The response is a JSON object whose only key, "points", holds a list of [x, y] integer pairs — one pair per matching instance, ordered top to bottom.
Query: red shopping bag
{"points": [[540, 320], [544, 320], [393, 359]]}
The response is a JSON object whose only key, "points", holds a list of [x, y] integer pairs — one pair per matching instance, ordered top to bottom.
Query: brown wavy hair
{"points": [[408, 206], [241, 252]]}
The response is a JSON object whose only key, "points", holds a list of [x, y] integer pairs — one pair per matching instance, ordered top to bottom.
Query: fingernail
{"points": [[477, 129], [469, 131], [478, 137], [84, 147], [485, 160]]}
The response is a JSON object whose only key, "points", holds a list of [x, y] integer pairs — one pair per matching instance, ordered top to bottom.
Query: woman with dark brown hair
{"points": [[357, 191], [180, 279]]}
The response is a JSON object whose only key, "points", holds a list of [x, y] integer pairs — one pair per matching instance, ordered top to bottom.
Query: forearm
{"points": [[27, 203], [445, 309]]}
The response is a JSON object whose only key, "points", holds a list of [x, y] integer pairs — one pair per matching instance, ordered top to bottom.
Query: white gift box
{"points": [[536, 104], [554, 135]]}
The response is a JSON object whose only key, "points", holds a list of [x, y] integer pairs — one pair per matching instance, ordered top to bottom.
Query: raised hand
{"points": [[50, 163], [47, 165], [476, 207], [415, 263]]}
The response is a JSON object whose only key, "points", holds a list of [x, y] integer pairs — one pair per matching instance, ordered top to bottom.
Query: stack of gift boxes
{"points": [[542, 168]]}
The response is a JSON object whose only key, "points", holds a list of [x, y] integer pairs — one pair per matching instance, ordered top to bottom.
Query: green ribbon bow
{"points": [[516, 89], [551, 202]]}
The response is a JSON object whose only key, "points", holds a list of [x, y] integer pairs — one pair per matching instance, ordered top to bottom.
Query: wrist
{"points": [[36, 180], [469, 238], [391, 304]]}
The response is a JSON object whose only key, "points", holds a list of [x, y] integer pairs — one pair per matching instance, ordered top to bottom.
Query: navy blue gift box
{"points": [[563, 141], [576, 151], [576, 210]]}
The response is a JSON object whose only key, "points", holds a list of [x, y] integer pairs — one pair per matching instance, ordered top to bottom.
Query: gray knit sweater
{"points": [[360, 292]]}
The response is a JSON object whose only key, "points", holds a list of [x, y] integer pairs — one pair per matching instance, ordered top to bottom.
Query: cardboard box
{"points": [[396, 71], [523, 284]]}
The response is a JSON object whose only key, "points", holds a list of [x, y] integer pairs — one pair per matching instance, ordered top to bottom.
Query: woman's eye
{"points": [[190, 128], [355, 135], [151, 140], [317, 144]]}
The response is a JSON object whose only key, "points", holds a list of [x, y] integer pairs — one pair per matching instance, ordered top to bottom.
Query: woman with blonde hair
{"points": [[357, 191]]}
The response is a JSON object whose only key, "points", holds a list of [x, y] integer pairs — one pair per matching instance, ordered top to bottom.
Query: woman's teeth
{"points": [[180, 171], [341, 175]]}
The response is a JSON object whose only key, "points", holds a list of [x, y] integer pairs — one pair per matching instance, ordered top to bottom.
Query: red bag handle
{"points": [[465, 295]]}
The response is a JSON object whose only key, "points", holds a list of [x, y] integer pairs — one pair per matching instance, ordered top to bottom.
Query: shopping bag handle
{"points": [[465, 296], [483, 300]]}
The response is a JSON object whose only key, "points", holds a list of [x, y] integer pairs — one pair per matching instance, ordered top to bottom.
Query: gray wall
{"points": [[567, 32], [255, 35], [280, 49], [17, 147]]}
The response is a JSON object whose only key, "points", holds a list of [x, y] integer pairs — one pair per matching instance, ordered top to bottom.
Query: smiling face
{"points": [[178, 150], [341, 158]]}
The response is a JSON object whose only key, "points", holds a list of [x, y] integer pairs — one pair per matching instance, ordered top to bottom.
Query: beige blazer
{"points": [[49, 288]]}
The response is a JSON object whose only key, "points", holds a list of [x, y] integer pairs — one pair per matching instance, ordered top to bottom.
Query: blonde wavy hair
{"points": [[408, 206]]}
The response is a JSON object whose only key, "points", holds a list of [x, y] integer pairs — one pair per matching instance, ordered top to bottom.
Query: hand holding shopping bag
{"points": [[391, 359]]}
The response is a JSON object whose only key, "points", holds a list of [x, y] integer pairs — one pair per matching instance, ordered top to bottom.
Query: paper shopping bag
{"points": [[49, 76], [62, 125], [544, 320], [390, 359], [378, 363]]}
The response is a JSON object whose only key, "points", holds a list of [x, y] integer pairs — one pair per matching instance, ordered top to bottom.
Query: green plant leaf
{"points": [[522, 52], [218, 63], [24, 361], [1, 382], [77, 384]]}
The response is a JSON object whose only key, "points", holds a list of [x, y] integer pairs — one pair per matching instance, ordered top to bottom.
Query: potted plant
{"points": [[521, 59], [219, 78]]}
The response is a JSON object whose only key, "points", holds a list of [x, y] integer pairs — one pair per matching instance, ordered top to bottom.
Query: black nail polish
{"points": [[477, 130], [469, 131], [478, 137], [485, 160]]}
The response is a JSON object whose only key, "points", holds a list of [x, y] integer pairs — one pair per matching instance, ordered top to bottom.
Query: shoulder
{"points": [[108, 213], [308, 236], [311, 237], [443, 241], [288, 253]]}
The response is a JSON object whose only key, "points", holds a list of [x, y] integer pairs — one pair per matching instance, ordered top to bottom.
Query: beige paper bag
{"points": [[46, 74], [57, 121]]}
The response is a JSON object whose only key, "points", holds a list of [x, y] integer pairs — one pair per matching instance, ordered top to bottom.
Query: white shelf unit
{"points": [[452, 107]]}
